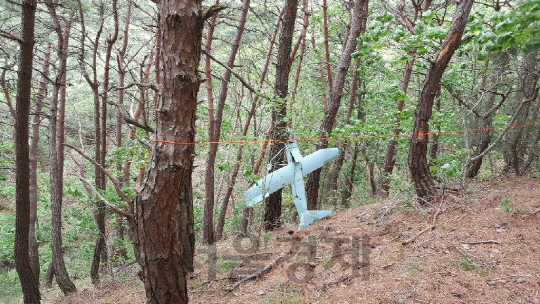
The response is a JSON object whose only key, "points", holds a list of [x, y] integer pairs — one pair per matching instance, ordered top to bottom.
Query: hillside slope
{"points": [[484, 248]]}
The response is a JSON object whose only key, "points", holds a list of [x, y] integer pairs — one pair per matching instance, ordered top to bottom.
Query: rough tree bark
{"points": [[360, 11], [215, 131], [389, 160], [418, 165], [272, 206], [164, 235], [27, 276]]}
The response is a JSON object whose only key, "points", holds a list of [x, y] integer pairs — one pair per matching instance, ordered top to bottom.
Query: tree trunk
{"points": [[357, 28], [215, 132], [482, 139], [516, 145], [34, 146], [56, 151], [389, 160], [238, 163], [418, 165], [334, 174], [272, 206], [164, 234], [120, 249], [100, 250], [27, 275]]}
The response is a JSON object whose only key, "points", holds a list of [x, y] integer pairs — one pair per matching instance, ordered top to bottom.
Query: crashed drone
{"points": [[293, 173]]}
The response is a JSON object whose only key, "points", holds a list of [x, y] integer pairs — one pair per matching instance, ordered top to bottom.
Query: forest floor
{"points": [[484, 248]]}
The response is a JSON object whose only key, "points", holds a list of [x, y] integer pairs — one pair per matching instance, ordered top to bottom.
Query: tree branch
{"points": [[242, 80], [116, 183], [93, 191]]}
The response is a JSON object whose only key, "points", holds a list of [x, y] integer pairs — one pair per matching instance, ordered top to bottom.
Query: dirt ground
{"points": [[482, 246]]}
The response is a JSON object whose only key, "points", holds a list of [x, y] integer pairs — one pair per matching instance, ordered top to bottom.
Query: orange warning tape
{"points": [[342, 138], [322, 139]]}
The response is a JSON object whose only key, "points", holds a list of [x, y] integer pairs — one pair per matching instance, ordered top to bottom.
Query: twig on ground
{"points": [[532, 214], [428, 228], [482, 242], [257, 273]]}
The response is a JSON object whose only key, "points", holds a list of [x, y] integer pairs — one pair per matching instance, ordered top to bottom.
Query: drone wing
{"points": [[269, 184]]}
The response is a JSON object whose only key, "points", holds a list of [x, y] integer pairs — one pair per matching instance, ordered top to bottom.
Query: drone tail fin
{"points": [[309, 216]]}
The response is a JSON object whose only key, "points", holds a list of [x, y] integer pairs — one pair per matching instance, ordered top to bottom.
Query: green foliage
{"points": [[508, 208]]}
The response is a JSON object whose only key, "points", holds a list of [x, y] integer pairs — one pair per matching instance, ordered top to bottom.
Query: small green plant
{"points": [[508, 208], [267, 238], [471, 266]]}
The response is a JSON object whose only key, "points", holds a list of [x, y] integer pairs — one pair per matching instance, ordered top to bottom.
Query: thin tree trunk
{"points": [[360, 11], [326, 47], [321, 73], [121, 80], [215, 132], [516, 145], [34, 147], [56, 149], [389, 160], [238, 162], [418, 165], [334, 174], [272, 206], [164, 235], [120, 249], [100, 250], [27, 275]]}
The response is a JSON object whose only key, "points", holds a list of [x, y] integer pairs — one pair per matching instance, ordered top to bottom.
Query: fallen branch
{"points": [[532, 214], [428, 228], [414, 237], [482, 242], [257, 273]]}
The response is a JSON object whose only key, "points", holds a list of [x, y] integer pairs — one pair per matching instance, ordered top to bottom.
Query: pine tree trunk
{"points": [[360, 11], [215, 132], [516, 144], [56, 151], [34, 154], [238, 163], [418, 165], [272, 207], [164, 234], [100, 250], [27, 275]]}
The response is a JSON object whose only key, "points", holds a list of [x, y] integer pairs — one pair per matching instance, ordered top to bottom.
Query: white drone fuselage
{"points": [[293, 174]]}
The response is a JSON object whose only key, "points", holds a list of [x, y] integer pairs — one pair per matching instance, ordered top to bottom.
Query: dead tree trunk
{"points": [[360, 11], [215, 132], [422, 180], [272, 206], [164, 235], [27, 275]]}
